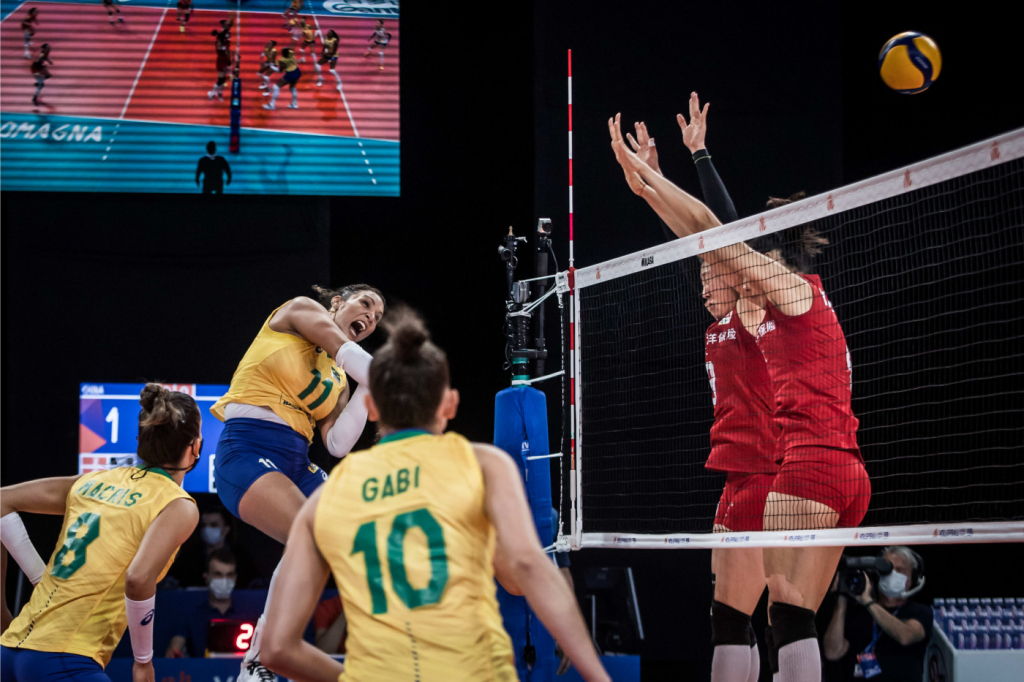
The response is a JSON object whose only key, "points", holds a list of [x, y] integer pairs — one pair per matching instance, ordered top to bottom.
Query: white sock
{"points": [[382, 58], [317, 65], [336, 77], [295, 95], [273, 99], [254, 648], [800, 661], [731, 663], [755, 664]]}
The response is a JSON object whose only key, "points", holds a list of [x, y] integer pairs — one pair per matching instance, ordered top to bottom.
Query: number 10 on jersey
{"points": [[366, 543]]}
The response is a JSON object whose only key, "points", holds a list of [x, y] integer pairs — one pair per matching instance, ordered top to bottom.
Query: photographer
{"points": [[886, 639]]}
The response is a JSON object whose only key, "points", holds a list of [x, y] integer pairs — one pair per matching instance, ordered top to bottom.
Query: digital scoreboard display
{"points": [[108, 428]]}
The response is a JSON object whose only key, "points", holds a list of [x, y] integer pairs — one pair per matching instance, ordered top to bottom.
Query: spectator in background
{"points": [[212, 168], [215, 532], [330, 626], [889, 633], [190, 640]]}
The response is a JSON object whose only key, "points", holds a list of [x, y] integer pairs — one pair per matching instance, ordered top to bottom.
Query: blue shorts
{"points": [[291, 78], [250, 448], [27, 665]]}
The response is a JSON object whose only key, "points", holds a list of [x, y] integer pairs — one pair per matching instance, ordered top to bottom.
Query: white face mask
{"points": [[211, 535], [893, 585], [222, 587]]}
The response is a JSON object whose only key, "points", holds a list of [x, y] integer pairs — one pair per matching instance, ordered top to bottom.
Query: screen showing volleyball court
{"points": [[254, 97], [108, 428]]}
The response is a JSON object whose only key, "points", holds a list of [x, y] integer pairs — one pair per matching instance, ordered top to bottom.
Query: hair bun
{"points": [[406, 333], [156, 404]]}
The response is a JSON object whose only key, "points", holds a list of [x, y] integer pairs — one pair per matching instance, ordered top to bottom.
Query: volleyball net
{"points": [[923, 268]]}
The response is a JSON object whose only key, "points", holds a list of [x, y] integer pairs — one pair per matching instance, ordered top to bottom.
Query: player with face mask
{"points": [[122, 529]]}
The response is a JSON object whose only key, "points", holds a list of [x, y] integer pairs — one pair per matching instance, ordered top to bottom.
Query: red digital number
{"points": [[245, 631]]}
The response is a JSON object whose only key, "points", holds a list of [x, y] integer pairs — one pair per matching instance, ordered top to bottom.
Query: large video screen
{"points": [[126, 96], [108, 427]]}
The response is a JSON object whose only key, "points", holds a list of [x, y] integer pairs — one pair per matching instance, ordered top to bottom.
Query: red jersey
{"points": [[810, 368], [744, 437]]}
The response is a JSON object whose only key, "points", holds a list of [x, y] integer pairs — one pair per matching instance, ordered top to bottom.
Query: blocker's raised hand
{"points": [[694, 131], [644, 147], [627, 159]]}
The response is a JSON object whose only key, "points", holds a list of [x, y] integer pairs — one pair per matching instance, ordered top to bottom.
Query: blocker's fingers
{"points": [[694, 106], [704, 113], [681, 120], [641, 133], [632, 142]]}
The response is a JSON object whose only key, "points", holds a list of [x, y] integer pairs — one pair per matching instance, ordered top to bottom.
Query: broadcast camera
{"points": [[852, 570]]}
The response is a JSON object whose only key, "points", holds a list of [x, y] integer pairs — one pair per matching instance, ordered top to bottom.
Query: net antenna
{"points": [[924, 269]]}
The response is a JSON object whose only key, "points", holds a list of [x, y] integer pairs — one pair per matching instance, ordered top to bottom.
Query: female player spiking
{"points": [[112, 9], [291, 12], [184, 13], [28, 29], [309, 34], [379, 41], [223, 46], [329, 56], [268, 59], [39, 70], [290, 75], [290, 381], [743, 435], [822, 482], [445, 515], [122, 529]]}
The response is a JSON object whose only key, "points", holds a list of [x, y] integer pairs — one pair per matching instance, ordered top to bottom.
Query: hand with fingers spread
{"points": [[694, 131], [643, 145], [627, 159]]}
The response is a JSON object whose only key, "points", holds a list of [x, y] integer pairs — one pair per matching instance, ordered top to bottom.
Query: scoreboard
{"points": [[108, 427]]}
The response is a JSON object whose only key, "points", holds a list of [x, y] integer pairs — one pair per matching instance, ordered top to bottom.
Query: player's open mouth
{"points": [[358, 327]]}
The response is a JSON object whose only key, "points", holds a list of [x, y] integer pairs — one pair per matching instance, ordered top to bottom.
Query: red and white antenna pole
{"points": [[573, 520]]}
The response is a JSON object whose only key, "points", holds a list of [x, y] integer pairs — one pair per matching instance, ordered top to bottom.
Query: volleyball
{"points": [[910, 62]]}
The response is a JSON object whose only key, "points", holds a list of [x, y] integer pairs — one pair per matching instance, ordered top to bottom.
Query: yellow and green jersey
{"points": [[296, 379], [404, 529], [78, 606]]}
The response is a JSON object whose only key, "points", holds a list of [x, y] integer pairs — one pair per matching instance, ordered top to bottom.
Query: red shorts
{"points": [[835, 478], [741, 507]]}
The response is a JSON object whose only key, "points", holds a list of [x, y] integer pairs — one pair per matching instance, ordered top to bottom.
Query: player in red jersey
{"points": [[184, 13], [28, 29], [223, 46], [39, 70], [743, 435], [822, 482]]}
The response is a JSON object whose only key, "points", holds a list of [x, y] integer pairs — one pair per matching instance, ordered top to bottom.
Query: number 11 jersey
{"points": [[296, 379], [404, 529], [78, 606]]}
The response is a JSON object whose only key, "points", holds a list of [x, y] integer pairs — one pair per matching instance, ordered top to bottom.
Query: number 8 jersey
{"points": [[296, 379], [404, 529], [78, 606]]}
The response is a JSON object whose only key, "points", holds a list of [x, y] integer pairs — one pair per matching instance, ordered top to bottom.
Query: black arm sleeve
{"points": [[716, 196]]}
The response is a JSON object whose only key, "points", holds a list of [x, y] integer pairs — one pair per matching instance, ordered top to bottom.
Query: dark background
{"points": [[112, 287]]}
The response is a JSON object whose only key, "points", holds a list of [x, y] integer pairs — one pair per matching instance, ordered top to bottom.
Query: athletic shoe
{"points": [[120, 19], [182, 28], [303, 59], [381, 67], [320, 83], [263, 86], [266, 93], [35, 100], [293, 105], [269, 106], [255, 672]]}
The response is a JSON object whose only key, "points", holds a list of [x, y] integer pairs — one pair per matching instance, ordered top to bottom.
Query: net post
{"points": [[575, 519]]}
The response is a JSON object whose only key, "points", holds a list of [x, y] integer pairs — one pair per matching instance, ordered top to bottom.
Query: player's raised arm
{"points": [[342, 428], [531, 569], [302, 576]]}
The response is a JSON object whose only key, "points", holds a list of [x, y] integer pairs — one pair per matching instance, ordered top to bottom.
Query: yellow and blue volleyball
{"points": [[910, 62]]}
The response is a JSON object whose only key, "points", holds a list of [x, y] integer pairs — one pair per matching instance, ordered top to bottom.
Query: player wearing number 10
{"points": [[292, 379], [122, 529], [415, 530]]}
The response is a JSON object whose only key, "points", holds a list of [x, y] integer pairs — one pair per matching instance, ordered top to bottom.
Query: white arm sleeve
{"points": [[355, 361], [349, 426], [15, 539], [140, 624]]}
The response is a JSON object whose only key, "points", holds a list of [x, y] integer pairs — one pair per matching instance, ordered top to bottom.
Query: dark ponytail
{"points": [[794, 247], [409, 374], [169, 423]]}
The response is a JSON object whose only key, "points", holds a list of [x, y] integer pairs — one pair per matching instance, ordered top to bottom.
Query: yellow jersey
{"points": [[296, 379], [404, 529], [78, 606]]}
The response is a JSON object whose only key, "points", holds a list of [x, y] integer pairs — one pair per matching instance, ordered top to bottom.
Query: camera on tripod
{"points": [[852, 570]]}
